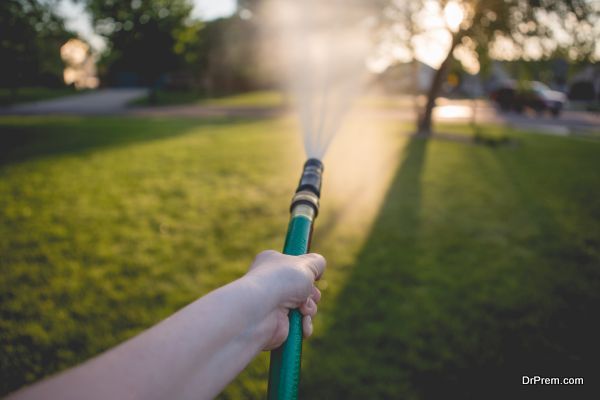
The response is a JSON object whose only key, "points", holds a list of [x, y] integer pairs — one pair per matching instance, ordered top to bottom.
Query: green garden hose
{"points": [[284, 370]]}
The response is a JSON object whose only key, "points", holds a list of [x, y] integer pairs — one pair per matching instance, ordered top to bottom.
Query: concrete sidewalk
{"points": [[98, 102]]}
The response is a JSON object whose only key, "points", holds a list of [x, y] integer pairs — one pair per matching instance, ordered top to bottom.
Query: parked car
{"points": [[529, 95]]}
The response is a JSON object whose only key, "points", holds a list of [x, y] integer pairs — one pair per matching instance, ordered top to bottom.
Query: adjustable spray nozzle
{"points": [[311, 176], [309, 187]]}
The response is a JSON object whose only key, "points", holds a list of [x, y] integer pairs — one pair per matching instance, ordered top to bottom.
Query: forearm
{"points": [[238, 324], [192, 354]]}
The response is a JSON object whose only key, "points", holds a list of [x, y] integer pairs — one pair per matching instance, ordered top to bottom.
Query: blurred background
{"points": [[461, 204]]}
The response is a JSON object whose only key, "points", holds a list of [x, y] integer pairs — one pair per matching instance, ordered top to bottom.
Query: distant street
{"points": [[98, 102], [115, 102], [483, 111], [569, 122]]}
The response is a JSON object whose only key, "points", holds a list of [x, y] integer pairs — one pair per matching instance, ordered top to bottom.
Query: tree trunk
{"points": [[415, 86], [14, 94], [424, 125]]}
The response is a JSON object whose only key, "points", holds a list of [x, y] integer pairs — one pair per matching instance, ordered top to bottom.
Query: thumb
{"points": [[314, 263]]}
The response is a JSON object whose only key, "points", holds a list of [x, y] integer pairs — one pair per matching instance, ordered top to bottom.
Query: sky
{"points": [[211, 9], [79, 21]]}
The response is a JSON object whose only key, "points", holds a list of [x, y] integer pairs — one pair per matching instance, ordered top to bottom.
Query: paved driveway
{"points": [[98, 102]]}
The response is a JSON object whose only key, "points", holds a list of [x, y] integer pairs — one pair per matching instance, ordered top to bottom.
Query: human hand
{"points": [[290, 280]]}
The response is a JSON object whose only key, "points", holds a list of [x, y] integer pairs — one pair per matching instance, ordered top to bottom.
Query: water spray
{"points": [[284, 371]]}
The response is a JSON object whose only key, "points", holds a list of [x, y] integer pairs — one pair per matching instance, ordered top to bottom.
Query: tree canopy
{"points": [[30, 38], [146, 38]]}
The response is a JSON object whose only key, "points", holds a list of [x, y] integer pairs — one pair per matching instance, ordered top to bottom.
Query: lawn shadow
{"points": [[26, 138], [411, 323], [553, 333], [360, 345]]}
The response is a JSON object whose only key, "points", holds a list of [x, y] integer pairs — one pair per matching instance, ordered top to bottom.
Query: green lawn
{"points": [[29, 94], [264, 98], [454, 268]]}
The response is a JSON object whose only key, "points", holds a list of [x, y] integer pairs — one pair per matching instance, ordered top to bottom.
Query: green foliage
{"points": [[522, 20], [187, 37], [30, 38], [146, 38], [157, 43], [230, 57], [481, 264]]}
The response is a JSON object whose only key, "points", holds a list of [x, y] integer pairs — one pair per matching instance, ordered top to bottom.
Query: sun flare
{"points": [[453, 15]]}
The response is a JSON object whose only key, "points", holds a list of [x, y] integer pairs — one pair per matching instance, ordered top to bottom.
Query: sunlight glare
{"points": [[453, 15], [452, 112]]}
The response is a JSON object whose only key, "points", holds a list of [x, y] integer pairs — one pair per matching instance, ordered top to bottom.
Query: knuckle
{"points": [[266, 253]]}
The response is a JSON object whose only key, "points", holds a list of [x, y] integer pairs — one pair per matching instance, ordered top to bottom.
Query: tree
{"points": [[528, 28], [30, 38], [146, 38], [229, 57]]}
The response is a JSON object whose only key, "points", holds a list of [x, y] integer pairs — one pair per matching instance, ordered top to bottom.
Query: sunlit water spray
{"points": [[324, 46]]}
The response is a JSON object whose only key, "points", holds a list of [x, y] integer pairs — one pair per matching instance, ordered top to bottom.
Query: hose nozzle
{"points": [[311, 177], [309, 187]]}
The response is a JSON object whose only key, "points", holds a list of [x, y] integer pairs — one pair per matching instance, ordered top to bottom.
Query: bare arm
{"points": [[198, 350]]}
